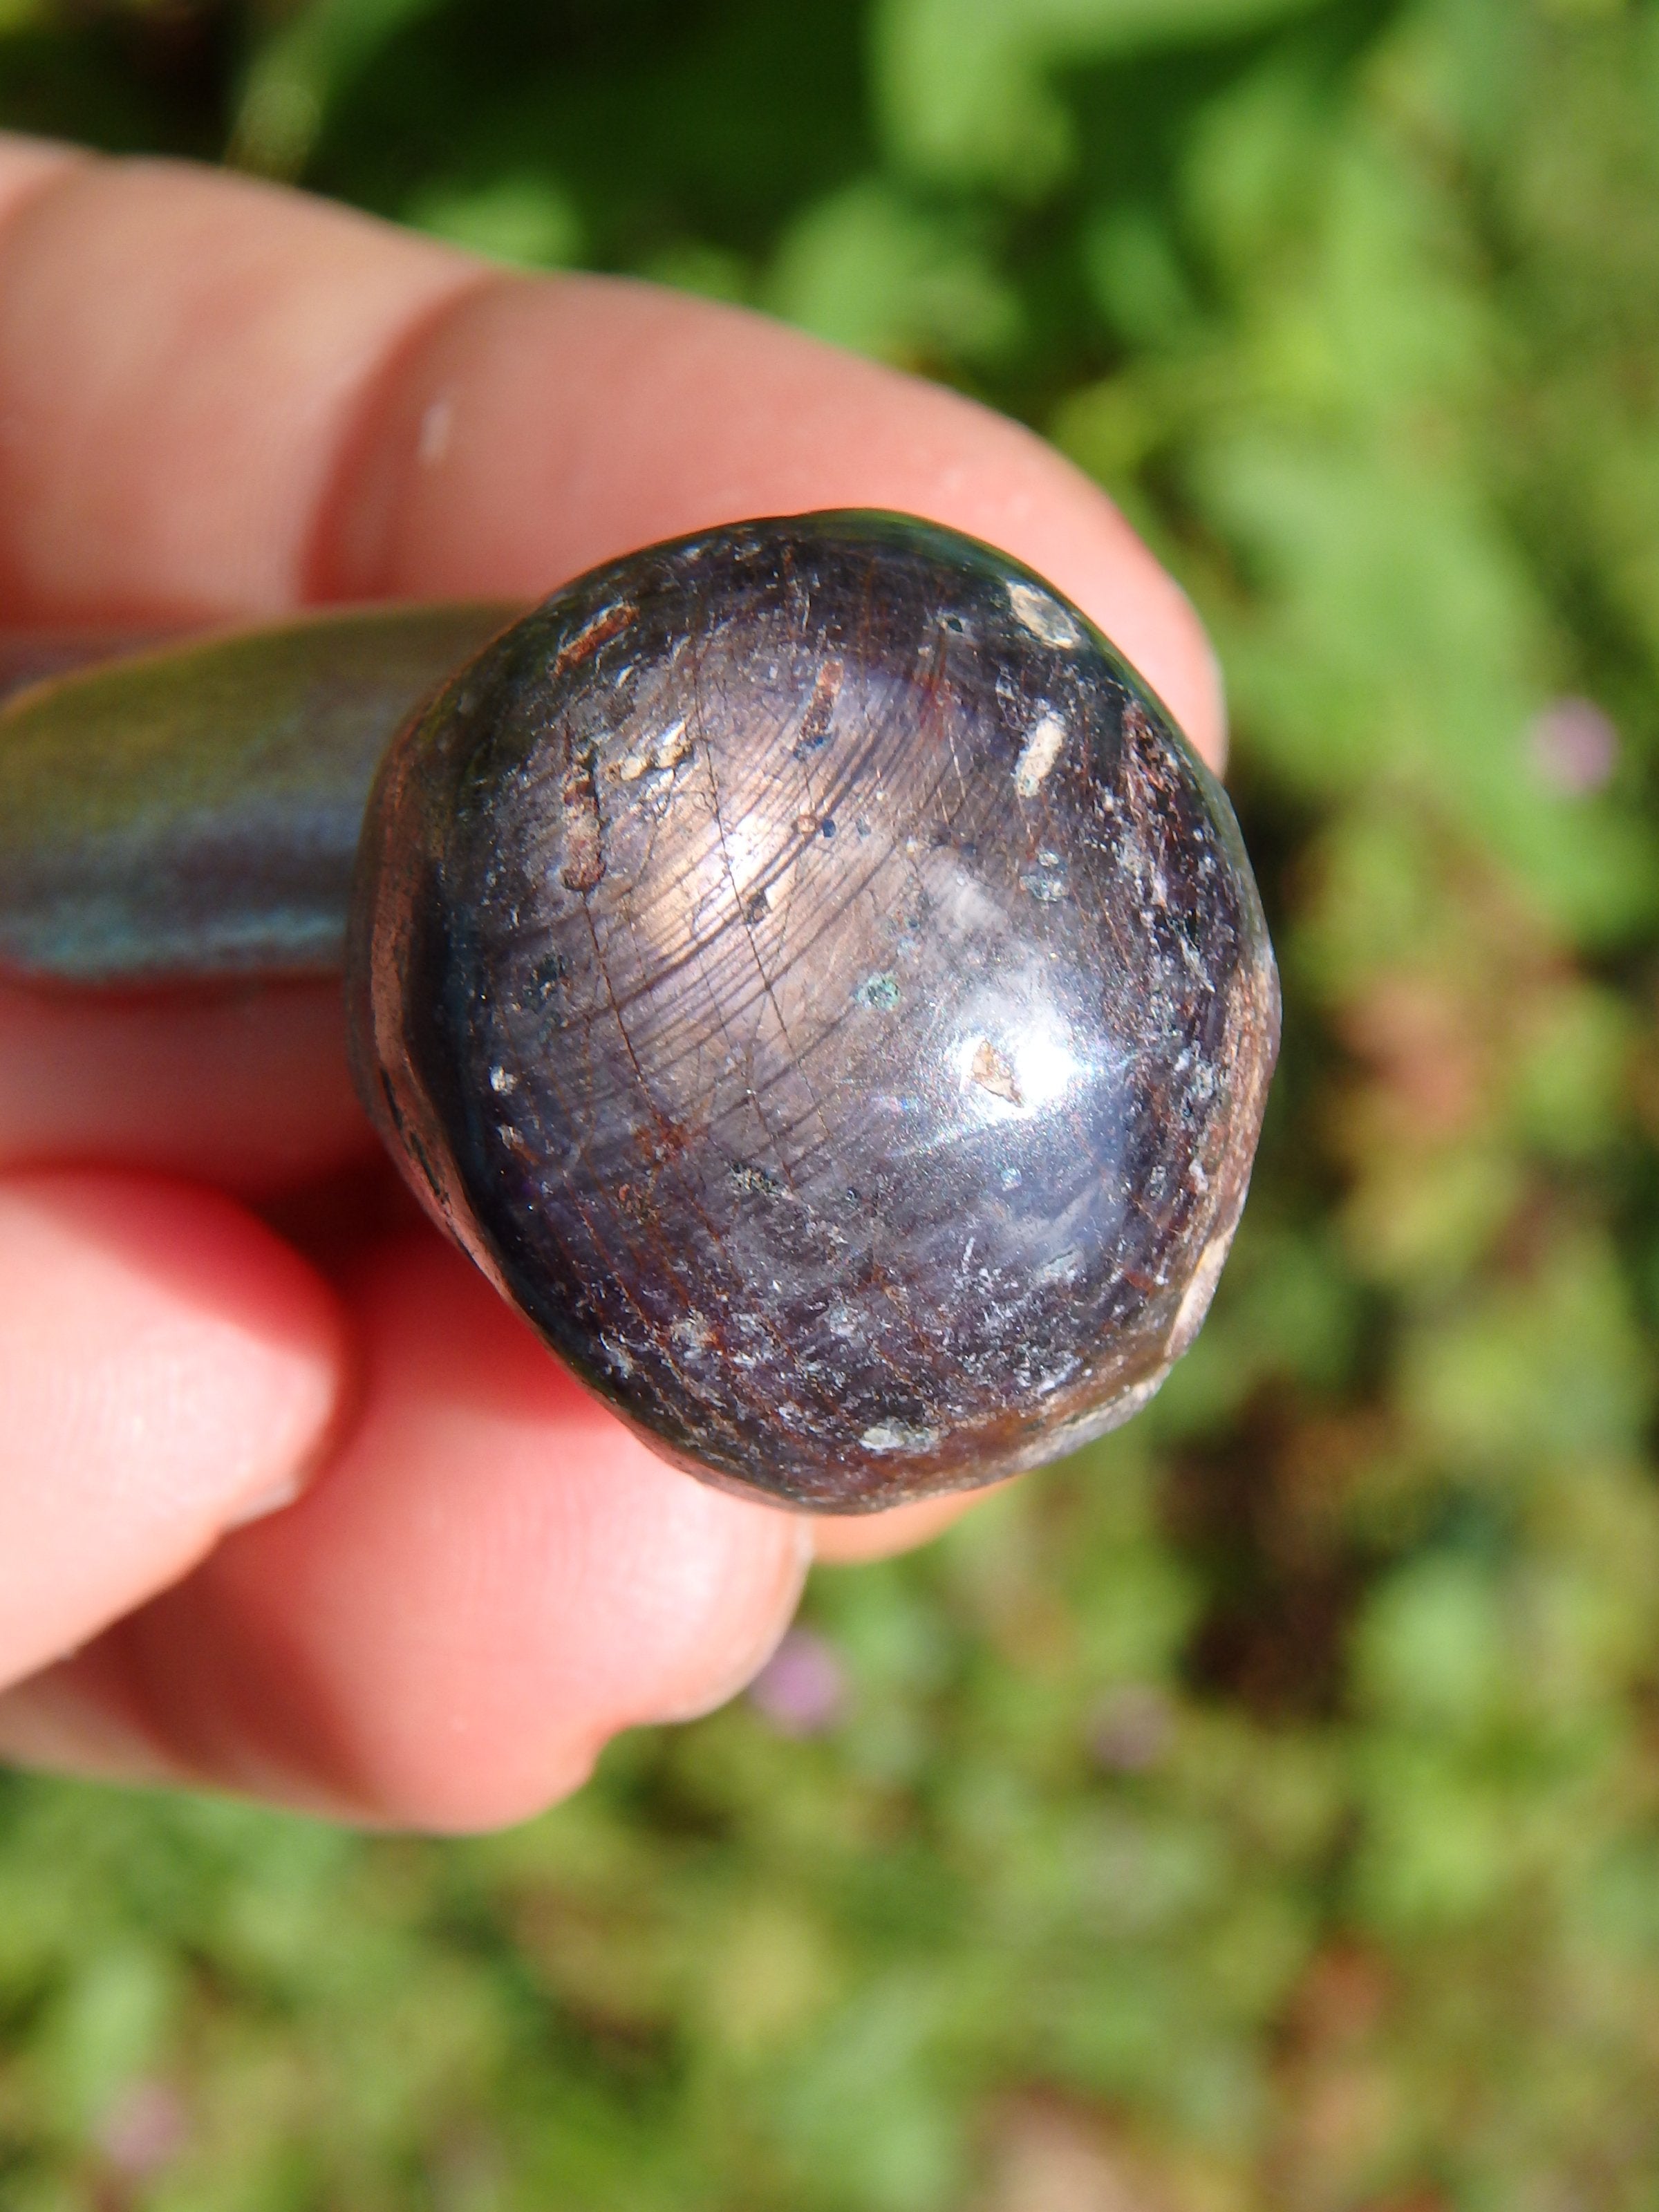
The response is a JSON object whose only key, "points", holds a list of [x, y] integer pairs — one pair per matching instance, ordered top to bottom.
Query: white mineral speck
{"points": [[1041, 613], [1037, 755], [895, 1435]]}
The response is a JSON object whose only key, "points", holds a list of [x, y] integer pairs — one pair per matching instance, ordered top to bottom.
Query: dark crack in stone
{"points": [[847, 1169]]}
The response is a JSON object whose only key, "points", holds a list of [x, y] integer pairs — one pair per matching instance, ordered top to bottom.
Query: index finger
{"points": [[219, 399]]}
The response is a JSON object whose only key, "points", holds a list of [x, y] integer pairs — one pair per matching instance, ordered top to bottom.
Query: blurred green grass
{"points": [[1263, 1810]]}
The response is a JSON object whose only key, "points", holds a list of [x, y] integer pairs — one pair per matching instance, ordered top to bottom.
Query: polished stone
{"points": [[807, 970]]}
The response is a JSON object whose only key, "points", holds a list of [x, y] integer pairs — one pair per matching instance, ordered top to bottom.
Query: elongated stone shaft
{"points": [[194, 810]]}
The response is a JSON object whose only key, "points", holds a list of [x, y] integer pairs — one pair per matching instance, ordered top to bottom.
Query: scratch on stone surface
{"points": [[606, 624], [815, 722], [1037, 755], [584, 841]]}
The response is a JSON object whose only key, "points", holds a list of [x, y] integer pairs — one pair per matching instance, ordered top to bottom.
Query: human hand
{"points": [[314, 1514]]}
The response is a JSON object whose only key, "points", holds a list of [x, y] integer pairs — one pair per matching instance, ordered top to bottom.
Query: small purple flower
{"points": [[1575, 747], [802, 1688], [144, 2130]]}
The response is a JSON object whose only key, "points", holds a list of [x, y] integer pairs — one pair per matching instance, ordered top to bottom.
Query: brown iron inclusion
{"points": [[805, 967]]}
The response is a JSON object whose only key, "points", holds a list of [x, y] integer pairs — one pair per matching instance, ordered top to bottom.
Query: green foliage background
{"points": [[1263, 1810]]}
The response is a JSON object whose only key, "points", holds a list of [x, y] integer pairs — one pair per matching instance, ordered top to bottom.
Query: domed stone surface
{"points": [[809, 974]]}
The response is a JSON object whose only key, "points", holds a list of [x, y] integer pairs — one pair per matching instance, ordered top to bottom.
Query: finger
{"points": [[28, 166], [181, 352], [217, 397], [534, 430], [243, 1086], [167, 1368], [848, 1539], [491, 1580]]}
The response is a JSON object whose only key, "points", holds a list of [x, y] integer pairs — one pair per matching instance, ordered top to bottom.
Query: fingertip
{"points": [[169, 1289], [167, 1368], [849, 1540], [737, 1569], [492, 1579]]}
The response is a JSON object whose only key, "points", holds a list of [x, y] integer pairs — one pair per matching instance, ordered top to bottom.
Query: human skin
{"points": [[290, 1502]]}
